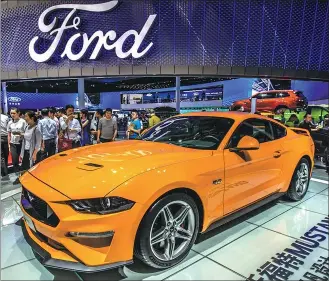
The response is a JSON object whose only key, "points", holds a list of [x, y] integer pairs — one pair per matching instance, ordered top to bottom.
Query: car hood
{"points": [[94, 171]]}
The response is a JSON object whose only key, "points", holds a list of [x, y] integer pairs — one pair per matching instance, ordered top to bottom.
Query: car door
{"points": [[260, 101], [270, 101], [251, 175]]}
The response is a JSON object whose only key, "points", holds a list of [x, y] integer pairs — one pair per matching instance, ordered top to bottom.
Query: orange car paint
{"points": [[143, 171]]}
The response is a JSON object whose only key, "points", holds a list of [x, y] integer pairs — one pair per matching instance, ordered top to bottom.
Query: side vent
{"points": [[94, 165], [89, 167]]}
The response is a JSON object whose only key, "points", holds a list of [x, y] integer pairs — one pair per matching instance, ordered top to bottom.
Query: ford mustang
{"points": [[100, 207]]}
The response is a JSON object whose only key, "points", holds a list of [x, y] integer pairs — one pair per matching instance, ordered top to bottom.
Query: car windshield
{"points": [[197, 132]]}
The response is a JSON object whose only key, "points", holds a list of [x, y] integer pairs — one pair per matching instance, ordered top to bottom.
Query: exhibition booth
{"points": [[218, 118]]}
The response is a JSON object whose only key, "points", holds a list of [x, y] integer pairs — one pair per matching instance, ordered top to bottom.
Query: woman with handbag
{"points": [[31, 143]]}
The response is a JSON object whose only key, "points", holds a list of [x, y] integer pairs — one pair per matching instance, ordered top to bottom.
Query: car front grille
{"points": [[38, 208]]}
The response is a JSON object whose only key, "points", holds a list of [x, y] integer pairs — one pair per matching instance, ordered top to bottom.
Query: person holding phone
{"points": [[71, 127], [16, 129], [31, 143]]}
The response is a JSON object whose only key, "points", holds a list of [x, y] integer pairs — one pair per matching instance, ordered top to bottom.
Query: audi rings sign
{"points": [[109, 41]]}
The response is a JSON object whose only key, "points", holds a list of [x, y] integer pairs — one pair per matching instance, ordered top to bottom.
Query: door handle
{"points": [[277, 154]]}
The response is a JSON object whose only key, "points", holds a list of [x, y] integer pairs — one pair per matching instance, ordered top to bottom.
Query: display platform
{"points": [[281, 241]]}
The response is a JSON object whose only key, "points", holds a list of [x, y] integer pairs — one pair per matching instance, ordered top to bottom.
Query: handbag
{"points": [[64, 143]]}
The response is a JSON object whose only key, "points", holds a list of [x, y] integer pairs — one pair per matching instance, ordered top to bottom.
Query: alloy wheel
{"points": [[302, 179], [172, 230]]}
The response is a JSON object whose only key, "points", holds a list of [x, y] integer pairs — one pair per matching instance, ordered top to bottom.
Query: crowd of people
{"points": [[32, 137]]}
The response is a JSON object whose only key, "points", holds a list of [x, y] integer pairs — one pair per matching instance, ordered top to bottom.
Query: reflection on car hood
{"points": [[94, 171]]}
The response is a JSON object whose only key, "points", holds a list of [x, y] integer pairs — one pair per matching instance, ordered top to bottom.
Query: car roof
{"points": [[276, 91], [236, 115]]}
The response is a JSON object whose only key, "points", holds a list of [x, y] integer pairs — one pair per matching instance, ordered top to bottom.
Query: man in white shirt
{"points": [[71, 127], [16, 128], [49, 133], [4, 147]]}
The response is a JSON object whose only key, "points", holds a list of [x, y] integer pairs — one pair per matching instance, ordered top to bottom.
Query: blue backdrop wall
{"points": [[280, 35]]}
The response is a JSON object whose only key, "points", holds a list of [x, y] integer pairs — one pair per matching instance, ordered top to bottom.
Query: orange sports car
{"points": [[99, 207]]}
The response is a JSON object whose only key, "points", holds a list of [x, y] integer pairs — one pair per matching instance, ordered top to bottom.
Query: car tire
{"points": [[279, 108], [300, 181], [158, 254]]}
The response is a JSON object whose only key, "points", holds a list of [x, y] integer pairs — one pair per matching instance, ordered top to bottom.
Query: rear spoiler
{"points": [[300, 131]]}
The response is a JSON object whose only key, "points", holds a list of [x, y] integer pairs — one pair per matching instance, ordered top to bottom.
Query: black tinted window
{"points": [[282, 95], [261, 96], [266, 96], [256, 128], [279, 131], [199, 132]]}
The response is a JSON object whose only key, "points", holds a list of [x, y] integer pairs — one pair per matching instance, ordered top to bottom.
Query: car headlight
{"points": [[106, 205]]}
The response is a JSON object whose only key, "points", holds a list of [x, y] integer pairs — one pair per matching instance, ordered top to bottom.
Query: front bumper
{"points": [[301, 105], [61, 250], [45, 258]]}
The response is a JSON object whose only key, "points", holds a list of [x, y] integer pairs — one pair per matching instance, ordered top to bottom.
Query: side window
{"points": [[271, 95], [282, 95], [261, 96], [264, 96], [256, 128], [279, 131]]}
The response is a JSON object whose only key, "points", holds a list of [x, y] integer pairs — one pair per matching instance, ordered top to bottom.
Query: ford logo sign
{"points": [[14, 99]]}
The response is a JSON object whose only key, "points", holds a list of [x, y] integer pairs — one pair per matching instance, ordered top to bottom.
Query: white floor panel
{"points": [[317, 187], [10, 192], [326, 192], [17, 197], [318, 203], [10, 212], [269, 214], [296, 222], [216, 241], [14, 248], [249, 253], [31, 270], [205, 270], [141, 272]]}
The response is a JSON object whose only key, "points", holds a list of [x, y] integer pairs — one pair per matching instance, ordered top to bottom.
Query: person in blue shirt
{"points": [[135, 127]]}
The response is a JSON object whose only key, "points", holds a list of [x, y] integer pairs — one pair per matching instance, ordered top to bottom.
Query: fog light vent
{"points": [[91, 235]]}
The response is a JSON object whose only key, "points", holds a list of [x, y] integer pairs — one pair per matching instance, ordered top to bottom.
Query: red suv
{"points": [[273, 101]]}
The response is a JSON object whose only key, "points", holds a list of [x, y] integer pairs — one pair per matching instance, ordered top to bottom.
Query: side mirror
{"points": [[246, 143]]}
